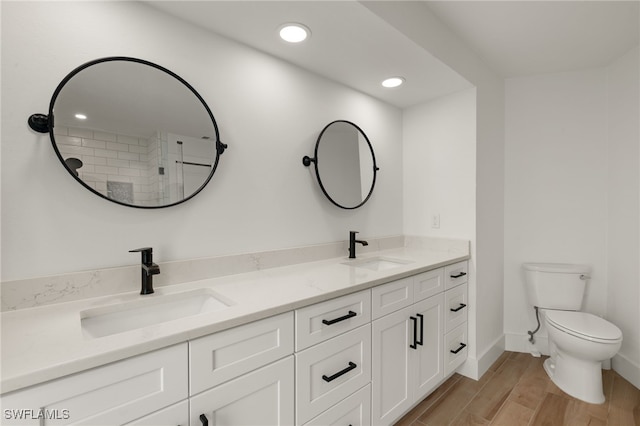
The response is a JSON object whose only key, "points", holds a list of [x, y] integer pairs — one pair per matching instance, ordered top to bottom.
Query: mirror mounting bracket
{"points": [[39, 122], [221, 147], [306, 160]]}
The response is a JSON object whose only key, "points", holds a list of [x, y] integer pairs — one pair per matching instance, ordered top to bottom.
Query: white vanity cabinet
{"points": [[407, 354], [244, 375], [113, 394]]}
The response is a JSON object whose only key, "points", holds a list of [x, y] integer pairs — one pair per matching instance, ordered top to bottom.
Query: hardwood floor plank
{"points": [[531, 388], [516, 391], [487, 403], [624, 407], [445, 409], [551, 411], [513, 414], [467, 419]]}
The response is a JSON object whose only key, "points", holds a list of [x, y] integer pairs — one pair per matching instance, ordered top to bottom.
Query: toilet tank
{"points": [[556, 285]]}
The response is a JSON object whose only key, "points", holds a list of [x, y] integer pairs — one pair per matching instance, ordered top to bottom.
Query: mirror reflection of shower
{"points": [[191, 158]]}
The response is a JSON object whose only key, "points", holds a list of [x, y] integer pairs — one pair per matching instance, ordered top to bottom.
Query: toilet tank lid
{"points": [[564, 268]]}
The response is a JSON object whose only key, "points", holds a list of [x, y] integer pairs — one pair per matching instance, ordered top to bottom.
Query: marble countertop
{"points": [[45, 343]]}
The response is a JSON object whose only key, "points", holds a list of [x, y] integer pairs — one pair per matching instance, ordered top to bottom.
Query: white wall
{"points": [[416, 21], [269, 113], [439, 166], [556, 168], [623, 190], [572, 194]]}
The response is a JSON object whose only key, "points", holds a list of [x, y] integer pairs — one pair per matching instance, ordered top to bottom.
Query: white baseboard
{"points": [[520, 343], [474, 368], [627, 369]]}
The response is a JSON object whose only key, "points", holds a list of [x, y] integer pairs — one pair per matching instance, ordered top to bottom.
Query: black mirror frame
{"points": [[45, 123], [306, 161]]}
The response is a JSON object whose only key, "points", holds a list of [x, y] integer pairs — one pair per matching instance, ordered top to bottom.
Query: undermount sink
{"points": [[378, 263], [148, 310]]}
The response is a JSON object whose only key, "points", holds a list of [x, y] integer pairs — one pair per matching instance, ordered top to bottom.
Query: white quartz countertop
{"points": [[45, 343]]}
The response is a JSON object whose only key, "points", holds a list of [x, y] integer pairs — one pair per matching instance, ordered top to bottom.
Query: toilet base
{"points": [[578, 378]]}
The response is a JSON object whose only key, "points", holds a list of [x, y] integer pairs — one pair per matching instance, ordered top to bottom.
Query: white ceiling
{"points": [[518, 38], [353, 46]]}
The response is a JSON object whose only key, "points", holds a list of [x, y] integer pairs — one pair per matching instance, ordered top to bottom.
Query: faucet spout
{"points": [[353, 242], [149, 269]]}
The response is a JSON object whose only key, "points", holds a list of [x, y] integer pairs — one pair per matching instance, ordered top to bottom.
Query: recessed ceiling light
{"points": [[294, 33], [393, 82], [81, 116]]}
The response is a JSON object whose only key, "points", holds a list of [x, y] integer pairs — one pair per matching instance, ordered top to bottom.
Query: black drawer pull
{"points": [[461, 274], [462, 305], [351, 314], [462, 346], [339, 373], [204, 420]]}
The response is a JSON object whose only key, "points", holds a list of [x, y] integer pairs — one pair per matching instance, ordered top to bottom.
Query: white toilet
{"points": [[578, 341]]}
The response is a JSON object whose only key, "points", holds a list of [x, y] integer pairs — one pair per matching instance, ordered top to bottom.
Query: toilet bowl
{"points": [[579, 342]]}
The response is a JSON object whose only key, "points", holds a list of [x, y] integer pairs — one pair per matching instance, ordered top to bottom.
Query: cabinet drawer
{"points": [[456, 274], [428, 284], [391, 297], [456, 307], [319, 322], [455, 348], [222, 356], [330, 371], [113, 394], [354, 410], [177, 414]]}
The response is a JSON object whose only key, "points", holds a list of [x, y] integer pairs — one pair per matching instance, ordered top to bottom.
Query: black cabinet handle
{"points": [[461, 274], [462, 305], [351, 314], [419, 342], [414, 345], [462, 346], [339, 373], [204, 420]]}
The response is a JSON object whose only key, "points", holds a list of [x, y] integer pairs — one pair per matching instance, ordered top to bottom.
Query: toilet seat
{"points": [[585, 326]]}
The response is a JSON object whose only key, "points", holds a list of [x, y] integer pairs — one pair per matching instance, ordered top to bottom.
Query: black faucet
{"points": [[352, 244], [149, 269]]}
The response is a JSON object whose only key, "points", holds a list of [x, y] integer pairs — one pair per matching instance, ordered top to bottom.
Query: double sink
{"points": [[155, 309]]}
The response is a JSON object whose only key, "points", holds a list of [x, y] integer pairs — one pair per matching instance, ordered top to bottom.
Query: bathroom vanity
{"points": [[336, 341]]}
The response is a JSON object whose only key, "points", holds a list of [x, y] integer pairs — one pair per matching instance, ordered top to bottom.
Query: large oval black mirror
{"points": [[132, 132], [345, 164]]}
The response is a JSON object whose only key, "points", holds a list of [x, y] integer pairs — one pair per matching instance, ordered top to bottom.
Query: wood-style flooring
{"points": [[517, 391]]}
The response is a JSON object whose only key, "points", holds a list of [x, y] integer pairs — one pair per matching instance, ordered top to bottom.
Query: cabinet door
{"points": [[427, 363], [391, 393], [109, 395], [262, 397], [175, 415]]}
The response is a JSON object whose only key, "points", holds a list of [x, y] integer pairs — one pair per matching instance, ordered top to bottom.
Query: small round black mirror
{"points": [[345, 164]]}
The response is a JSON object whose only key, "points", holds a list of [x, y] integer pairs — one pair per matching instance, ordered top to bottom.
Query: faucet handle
{"points": [[143, 249], [147, 254]]}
